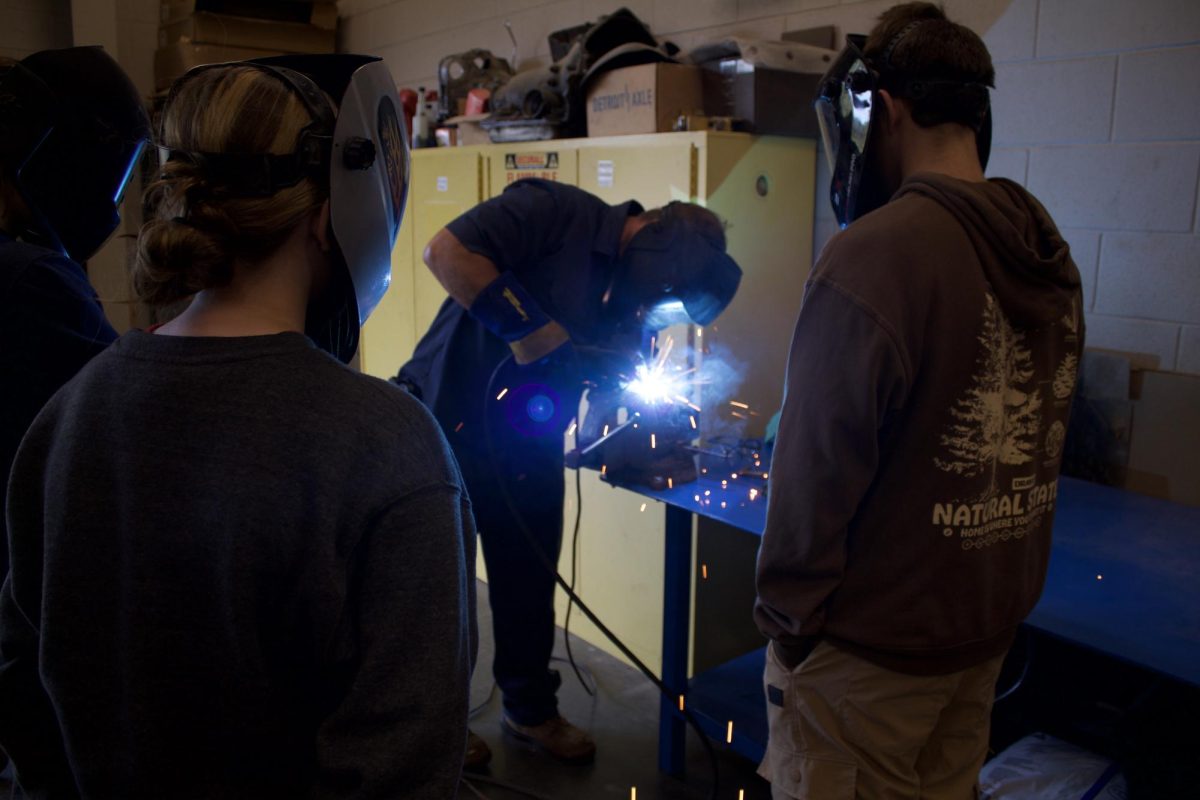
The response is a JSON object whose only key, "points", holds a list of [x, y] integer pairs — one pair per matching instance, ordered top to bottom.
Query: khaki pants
{"points": [[842, 727]]}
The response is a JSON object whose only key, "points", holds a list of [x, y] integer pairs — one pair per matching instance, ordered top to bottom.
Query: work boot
{"points": [[557, 737], [478, 753]]}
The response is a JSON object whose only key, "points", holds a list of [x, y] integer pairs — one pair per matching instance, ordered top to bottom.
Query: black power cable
{"points": [[571, 595]]}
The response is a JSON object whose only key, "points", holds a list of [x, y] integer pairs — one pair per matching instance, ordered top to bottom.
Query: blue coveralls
{"points": [[563, 245], [51, 324]]}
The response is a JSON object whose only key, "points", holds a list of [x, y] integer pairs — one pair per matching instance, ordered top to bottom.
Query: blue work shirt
{"points": [[563, 245], [51, 324]]}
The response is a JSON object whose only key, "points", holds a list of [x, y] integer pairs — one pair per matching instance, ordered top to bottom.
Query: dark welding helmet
{"points": [[846, 108], [72, 128], [355, 147], [670, 273]]}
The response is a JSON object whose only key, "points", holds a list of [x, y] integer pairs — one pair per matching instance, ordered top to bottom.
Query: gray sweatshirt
{"points": [[928, 391], [239, 569]]}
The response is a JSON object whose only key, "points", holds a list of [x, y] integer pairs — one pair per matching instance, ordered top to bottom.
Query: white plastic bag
{"points": [[1040, 767]]}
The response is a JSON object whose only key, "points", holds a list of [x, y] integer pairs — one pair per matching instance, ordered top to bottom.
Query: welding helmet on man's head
{"points": [[847, 108], [72, 127], [356, 148], [672, 271]]}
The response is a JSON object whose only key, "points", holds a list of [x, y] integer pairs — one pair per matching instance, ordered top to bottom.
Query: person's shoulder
{"points": [[561, 195], [887, 243], [30, 267], [382, 414]]}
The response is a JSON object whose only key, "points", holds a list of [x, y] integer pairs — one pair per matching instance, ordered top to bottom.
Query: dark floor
{"points": [[623, 718]]}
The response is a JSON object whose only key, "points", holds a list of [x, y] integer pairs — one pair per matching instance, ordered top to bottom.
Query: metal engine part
{"points": [[459, 73], [548, 102]]}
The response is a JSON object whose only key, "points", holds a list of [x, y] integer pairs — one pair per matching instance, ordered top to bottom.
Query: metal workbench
{"points": [[1122, 581]]}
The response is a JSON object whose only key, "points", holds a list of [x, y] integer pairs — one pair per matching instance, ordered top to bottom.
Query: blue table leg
{"points": [[677, 598]]}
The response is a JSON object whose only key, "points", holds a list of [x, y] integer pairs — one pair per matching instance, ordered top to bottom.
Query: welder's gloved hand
{"points": [[508, 310], [549, 345]]}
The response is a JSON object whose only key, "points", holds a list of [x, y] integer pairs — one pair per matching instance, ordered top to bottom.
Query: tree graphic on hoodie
{"points": [[997, 420]]}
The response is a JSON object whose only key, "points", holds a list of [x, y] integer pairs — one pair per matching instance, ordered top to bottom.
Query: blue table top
{"points": [[745, 502], [1124, 572], [1125, 577]]}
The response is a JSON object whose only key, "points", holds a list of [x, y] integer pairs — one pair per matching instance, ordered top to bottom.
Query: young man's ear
{"points": [[893, 109], [321, 229]]}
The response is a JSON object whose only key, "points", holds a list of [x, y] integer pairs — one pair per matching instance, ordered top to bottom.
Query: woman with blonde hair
{"points": [[240, 568]]}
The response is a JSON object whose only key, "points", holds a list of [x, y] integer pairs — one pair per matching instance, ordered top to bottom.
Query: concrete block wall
{"points": [[27, 26], [1098, 114]]}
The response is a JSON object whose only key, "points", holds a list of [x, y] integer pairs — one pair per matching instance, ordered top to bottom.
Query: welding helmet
{"points": [[846, 106], [72, 128], [357, 149], [670, 273]]}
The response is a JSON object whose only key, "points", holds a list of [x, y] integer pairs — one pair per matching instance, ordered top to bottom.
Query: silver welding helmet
{"points": [[847, 107], [72, 129], [355, 147], [670, 273]]}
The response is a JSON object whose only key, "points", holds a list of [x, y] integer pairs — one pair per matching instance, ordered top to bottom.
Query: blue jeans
{"points": [[520, 588]]}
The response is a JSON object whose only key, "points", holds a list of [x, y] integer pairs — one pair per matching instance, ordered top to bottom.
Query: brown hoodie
{"points": [[928, 391]]}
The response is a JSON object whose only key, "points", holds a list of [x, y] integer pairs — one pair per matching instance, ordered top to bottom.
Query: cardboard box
{"points": [[321, 14], [230, 31], [171, 62], [647, 98], [772, 101], [469, 130]]}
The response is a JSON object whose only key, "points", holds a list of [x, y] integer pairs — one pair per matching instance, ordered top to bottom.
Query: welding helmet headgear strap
{"points": [[72, 128], [360, 152], [264, 174], [670, 274], [507, 309]]}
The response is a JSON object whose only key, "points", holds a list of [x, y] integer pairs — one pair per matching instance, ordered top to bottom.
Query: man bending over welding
{"points": [[535, 277], [928, 391]]}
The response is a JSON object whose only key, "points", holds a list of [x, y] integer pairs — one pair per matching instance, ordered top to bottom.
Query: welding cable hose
{"points": [[549, 565]]}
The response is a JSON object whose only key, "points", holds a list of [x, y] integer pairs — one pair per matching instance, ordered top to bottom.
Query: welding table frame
{"points": [[1145, 609]]}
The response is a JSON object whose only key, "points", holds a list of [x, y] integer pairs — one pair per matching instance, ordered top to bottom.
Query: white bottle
{"points": [[420, 136]]}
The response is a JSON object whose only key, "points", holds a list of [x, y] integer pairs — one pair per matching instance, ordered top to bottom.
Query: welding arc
{"points": [[566, 587]]}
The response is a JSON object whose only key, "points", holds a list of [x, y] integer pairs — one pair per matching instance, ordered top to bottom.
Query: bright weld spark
{"points": [[503, 392], [739, 405], [739, 416], [693, 419], [605, 433], [653, 442], [603, 469], [733, 475], [670, 483], [707, 492], [753, 493], [697, 498], [722, 504], [643, 507], [704, 572], [681, 702], [729, 733]]}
